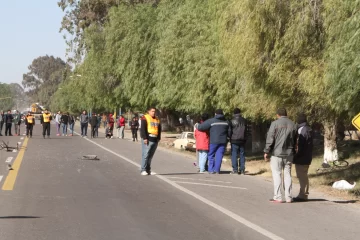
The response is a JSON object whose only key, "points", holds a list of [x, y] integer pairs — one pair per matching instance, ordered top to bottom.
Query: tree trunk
{"points": [[169, 119], [330, 145]]}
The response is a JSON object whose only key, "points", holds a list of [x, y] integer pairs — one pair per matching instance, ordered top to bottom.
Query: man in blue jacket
{"points": [[218, 128]]}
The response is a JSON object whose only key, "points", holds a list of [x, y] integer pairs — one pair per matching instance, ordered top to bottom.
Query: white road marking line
{"points": [[21, 138], [19, 143], [14, 150], [9, 159], [1, 177], [197, 179], [210, 185], [225, 211]]}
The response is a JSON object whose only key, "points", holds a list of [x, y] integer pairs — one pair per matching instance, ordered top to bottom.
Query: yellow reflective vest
{"points": [[46, 117], [30, 119], [152, 125]]}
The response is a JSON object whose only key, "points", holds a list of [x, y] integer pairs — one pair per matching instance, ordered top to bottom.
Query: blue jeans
{"points": [[72, 127], [64, 128], [235, 150], [148, 151], [216, 153], [203, 155]]}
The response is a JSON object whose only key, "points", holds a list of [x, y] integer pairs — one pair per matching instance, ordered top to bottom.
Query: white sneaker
{"points": [[144, 173]]}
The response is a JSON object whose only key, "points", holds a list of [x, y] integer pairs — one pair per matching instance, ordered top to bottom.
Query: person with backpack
{"points": [[237, 135], [303, 157]]}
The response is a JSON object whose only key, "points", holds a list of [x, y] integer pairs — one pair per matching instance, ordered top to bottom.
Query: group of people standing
{"points": [[9, 120], [63, 120]]}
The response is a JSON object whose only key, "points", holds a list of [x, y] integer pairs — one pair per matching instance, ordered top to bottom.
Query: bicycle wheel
{"points": [[341, 163]]}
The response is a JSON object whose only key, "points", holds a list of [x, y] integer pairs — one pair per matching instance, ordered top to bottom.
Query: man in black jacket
{"points": [[8, 123], [93, 124], [219, 130], [237, 135], [303, 157]]}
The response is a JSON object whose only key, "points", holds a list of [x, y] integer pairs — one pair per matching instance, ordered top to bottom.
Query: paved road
{"points": [[59, 196]]}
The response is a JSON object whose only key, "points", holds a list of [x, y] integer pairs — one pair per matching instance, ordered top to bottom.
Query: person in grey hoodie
{"points": [[84, 122], [218, 128], [281, 141]]}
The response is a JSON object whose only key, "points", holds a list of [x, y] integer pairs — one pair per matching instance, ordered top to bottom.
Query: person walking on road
{"points": [[2, 120], [45, 120], [17, 122], [29, 122], [58, 122], [84, 122], [8, 123], [64, 123], [71, 124], [93, 124], [111, 124], [98, 125], [121, 127], [134, 128], [218, 128], [150, 134], [237, 135], [281, 140], [202, 144], [303, 157]]}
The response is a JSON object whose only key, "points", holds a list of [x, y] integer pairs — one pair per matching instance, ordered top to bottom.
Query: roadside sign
{"points": [[356, 121]]}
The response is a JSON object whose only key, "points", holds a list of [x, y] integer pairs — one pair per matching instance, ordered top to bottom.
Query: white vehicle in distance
{"points": [[184, 139]]}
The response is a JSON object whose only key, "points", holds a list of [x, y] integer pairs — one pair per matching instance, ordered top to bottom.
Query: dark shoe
{"points": [[10, 135], [212, 172], [242, 172], [297, 199], [276, 201]]}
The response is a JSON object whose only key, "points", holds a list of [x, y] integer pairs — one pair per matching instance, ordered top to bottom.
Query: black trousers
{"points": [[1, 126], [84, 127], [46, 128], [8, 129], [29, 129], [93, 131], [134, 133]]}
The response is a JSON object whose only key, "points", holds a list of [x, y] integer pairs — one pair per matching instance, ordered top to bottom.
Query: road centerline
{"points": [[11, 177]]}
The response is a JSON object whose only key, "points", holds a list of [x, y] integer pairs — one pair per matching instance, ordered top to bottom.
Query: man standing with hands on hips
{"points": [[150, 133], [281, 140]]}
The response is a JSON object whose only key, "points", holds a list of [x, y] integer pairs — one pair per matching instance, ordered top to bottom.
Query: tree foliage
{"points": [[6, 97]]}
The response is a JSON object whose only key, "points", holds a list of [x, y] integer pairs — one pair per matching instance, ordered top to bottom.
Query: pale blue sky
{"points": [[29, 29]]}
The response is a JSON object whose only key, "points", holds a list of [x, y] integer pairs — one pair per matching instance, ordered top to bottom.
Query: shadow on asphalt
{"points": [[169, 174], [324, 200], [18, 217]]}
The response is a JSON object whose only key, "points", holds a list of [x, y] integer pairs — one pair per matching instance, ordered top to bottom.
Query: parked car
{"points": [[184, 139]]}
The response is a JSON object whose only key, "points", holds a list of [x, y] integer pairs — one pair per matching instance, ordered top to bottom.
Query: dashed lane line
{"points": [[9, 159], [1, 177], [11, 177], [210, 185], [221, 209]]}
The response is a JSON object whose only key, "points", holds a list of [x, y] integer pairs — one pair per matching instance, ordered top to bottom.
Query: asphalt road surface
{"points": [[53, 194]]}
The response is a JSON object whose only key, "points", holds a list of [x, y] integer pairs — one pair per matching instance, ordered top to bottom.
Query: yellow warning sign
{"points": [[356, 121]]}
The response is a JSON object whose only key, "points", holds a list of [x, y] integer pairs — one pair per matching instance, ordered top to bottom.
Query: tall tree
{"points": [[44, 76], [6, 97]]}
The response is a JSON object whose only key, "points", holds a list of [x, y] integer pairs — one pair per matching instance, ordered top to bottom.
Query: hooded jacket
{"points": [[218, 128], [303, 155]]}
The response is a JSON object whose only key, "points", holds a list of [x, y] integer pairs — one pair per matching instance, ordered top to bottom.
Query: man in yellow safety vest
{"points": [[45, 120], [29, 122], [150, 133]]}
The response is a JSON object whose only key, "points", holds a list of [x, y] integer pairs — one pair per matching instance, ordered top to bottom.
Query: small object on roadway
{"points": [[90, 157], [10, 167]]}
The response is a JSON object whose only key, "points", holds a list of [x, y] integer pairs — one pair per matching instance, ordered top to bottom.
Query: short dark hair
{"points": [[151, 107], [219, 111], [237, 111], [282, 112], [204, 117], [301, 118]]}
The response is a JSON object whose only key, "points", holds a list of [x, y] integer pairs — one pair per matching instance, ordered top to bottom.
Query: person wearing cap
{"points": [[45, 120], [29, 122], [218, 128], [237, 135], [281, 141], [303, 156]]}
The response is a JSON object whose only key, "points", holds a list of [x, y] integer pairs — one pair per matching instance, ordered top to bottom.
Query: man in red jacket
{"points": [[121, 127], [202, 144]]}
